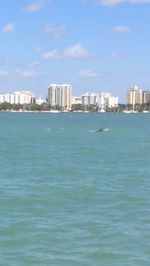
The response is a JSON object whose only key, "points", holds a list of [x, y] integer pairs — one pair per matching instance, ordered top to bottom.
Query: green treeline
{"points": [[75, 107]]}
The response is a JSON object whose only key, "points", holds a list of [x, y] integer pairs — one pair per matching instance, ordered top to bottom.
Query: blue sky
{"points": [[95, 45]]}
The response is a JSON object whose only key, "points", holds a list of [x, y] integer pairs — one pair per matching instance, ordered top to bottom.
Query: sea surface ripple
{"points": [[72, 198]]}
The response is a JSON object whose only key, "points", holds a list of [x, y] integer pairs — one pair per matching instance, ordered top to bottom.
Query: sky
{"points": [[94, 45]]}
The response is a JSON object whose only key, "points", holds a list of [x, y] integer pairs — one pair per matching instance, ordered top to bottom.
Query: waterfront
{"points": [[73, 196]]}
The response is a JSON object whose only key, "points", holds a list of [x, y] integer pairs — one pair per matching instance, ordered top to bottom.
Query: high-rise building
{"points": [[60, 95], [134, 96], [23, 97], [146, 97], [2, 98], [89, 99], [103, 100], [106, 100], [113, 101]]}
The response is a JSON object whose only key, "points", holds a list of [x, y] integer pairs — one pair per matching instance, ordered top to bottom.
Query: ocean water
{"points": [[71, 196]]}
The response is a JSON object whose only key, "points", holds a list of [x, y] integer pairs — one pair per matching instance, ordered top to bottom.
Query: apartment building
{"points": [[60, 95]]}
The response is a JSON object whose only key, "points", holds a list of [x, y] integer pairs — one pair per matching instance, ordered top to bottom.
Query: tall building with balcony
{"points": [[60, 96], [134, 96]]}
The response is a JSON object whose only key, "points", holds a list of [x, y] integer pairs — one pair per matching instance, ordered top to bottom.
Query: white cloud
{"points": [[83, 1], [139, 1], [109, 2], [115, 2], [35, 6], [8, 28], [120, 29], [55, 31], [37, 49], [73, 52], [76, 52], [53, 54], [34, 64], [4, 73], [17, 73], [25, 74], [88, 74]]}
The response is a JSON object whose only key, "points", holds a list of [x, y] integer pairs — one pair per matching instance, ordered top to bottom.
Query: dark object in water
{"points": [[99, 130], [102, 130]]}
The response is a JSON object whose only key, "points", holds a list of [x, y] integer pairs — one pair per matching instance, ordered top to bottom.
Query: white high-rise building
{"points": [[60, 95], [134, 96], [23, 97], [146, 97], [2, 98], [89, 99], [103, 100], [106, 100], [113, 101]]}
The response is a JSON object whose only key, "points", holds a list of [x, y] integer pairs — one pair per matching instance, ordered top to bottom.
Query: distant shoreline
{"points": [[79, 111]]}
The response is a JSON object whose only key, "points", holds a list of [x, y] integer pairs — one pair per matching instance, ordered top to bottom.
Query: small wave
{"points": [[106, 129], [91, 131]]}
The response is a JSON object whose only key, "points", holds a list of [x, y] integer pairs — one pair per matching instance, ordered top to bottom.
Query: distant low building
{"points": [[76, 100], [40, 101]]}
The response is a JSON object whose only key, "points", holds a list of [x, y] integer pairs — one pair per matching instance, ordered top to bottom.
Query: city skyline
{"points": [[95, 45]]}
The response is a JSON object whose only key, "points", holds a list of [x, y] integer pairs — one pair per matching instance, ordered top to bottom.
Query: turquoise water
{"points": [[70, 196]]}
